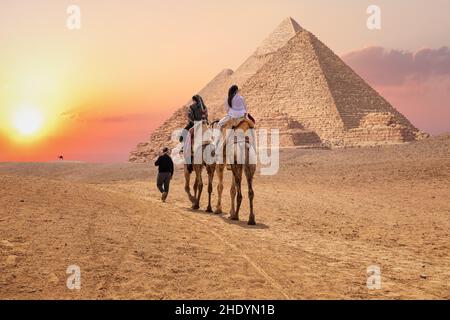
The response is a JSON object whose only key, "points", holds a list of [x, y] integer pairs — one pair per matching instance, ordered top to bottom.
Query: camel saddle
{"points": [[235, 123], [192, 132]]}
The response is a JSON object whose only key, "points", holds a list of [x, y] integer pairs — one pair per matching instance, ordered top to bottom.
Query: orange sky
{"points": [[104, 88]]}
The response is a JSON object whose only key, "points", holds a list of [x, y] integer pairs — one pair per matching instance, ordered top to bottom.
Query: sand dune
{"points": [[322, 221]]}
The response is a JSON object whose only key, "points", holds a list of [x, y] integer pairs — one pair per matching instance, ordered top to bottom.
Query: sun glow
{"points": [[28, 121]]}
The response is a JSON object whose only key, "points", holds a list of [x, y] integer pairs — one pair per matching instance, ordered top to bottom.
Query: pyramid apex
{"points": [[293, 23], [285, 31]]}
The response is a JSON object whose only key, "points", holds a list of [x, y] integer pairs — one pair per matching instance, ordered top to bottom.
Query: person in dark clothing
{"points": [[197, 112], [165, 173]]}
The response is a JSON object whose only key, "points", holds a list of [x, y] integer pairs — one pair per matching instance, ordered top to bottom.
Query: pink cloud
{"points": [[384, 67], [416, 83]]}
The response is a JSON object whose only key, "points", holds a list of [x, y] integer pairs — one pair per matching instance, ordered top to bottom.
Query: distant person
{"points": [[197, 112], [165, 173]]}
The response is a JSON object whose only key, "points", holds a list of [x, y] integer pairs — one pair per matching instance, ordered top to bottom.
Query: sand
{"points": [[322, 221]]}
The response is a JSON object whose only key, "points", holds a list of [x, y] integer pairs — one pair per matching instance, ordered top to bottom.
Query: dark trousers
{"points": [[163, 181]]}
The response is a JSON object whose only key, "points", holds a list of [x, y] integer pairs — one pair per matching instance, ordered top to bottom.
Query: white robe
{"points": [[239, 107]]}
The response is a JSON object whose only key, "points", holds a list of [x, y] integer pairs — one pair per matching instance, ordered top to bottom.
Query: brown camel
{"points": [[241, 147], [198, 169]]}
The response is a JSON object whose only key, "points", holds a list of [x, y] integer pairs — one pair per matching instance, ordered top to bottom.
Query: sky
{"points": [[98, 91]]}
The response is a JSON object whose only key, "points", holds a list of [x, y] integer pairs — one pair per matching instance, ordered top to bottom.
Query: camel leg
{"points": [[220, 169], [210, 170], [249, 173], [238, 183], [187, 185], [199, 185], [200, 188], [236, 192], [195, 196], [233, 198], [194, 202]]}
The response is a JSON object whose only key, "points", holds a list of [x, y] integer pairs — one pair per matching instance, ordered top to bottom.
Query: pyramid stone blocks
{"points": [[293, 82]]}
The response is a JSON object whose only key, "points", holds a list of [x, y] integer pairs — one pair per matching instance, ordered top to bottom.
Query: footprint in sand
{"points": [[6, 244], [11, 261], [53, 278]]}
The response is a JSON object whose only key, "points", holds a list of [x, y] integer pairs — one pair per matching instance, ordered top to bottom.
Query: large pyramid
{"points": [[295, 83]]}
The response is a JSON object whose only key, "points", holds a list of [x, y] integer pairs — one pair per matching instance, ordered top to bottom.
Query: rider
{"points": [[235, 106], [197, 112]]}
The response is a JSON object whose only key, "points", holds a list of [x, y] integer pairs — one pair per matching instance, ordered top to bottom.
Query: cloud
{"points": [[380, 66], [416, 83], [73, 114], [79, 116], [122, 118]]}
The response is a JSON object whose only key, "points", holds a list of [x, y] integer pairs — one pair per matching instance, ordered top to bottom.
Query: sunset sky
{"points": [[96, 92]]}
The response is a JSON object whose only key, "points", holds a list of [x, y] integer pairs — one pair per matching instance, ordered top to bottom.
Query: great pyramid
{"points": [[295, 83]]}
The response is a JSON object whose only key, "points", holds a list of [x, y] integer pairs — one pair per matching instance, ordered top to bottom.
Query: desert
{"points": [[323, 220]]}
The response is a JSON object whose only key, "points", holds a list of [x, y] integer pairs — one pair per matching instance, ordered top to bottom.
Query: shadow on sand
{"points": [[224, 217]]}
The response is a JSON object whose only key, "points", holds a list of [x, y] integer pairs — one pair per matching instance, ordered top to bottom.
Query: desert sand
{"points": [[322, 221]]}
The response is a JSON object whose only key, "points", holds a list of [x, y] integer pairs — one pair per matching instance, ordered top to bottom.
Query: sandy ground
{"points": [[322, 221]]}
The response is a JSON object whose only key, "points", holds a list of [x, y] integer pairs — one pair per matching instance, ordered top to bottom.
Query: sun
{"points": [[28, 120]]}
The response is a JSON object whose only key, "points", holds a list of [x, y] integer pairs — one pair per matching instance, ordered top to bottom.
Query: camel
{"points": [[248, 167], [198, 169]]}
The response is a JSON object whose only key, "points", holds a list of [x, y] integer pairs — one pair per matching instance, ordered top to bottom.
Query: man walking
{"points": [[165, 173]]}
